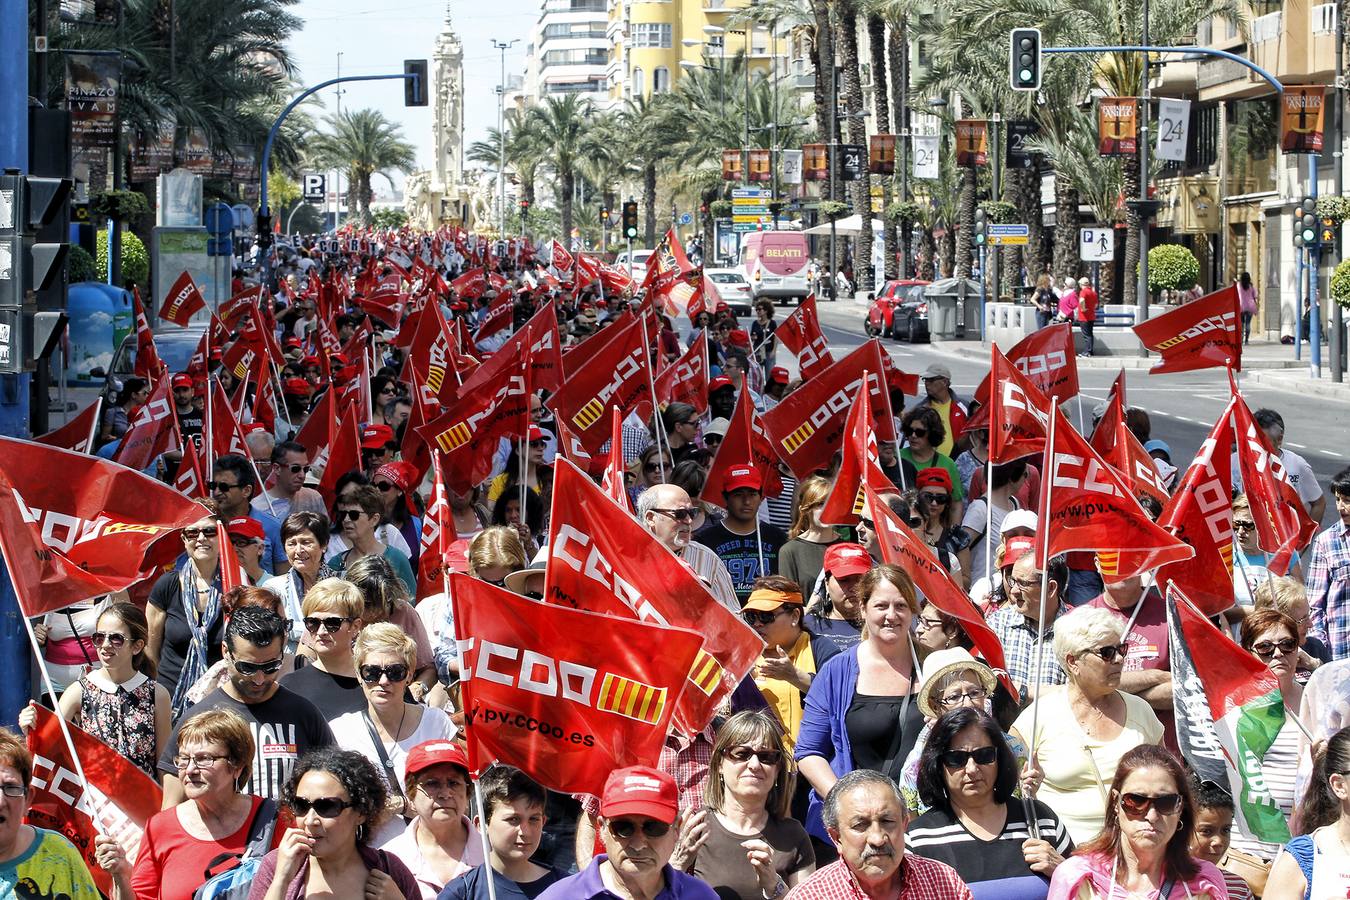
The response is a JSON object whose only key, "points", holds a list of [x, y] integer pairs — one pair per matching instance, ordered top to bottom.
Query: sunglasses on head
{"points": [[352, 514], [191, 534], [331, 623], [111, 638], [1267, 649], [1109, 654], [247, 669], [371, 674], [765, 757], [957, 759], [1137, 805], [326, 807], [623, 829]]}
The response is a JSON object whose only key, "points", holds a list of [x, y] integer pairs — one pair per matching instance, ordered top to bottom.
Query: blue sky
{"points": [[375, 36]]}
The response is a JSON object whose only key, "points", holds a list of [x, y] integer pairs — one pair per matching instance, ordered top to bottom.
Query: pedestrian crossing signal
{"points": [[415, 87], [1328, 233]]}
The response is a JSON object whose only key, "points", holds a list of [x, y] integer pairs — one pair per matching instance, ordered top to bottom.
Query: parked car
{"points": [[639, 258], [732, 287], [881, 314], [174, 345]]}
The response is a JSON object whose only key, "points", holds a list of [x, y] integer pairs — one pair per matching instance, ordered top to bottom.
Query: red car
{"points": [[881, 314]]}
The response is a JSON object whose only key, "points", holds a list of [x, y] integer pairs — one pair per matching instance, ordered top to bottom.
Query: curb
{"points": [[969, 350], [1299, 382]]}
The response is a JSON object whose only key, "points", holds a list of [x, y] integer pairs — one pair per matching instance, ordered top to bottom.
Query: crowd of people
{"points": [[310, 719]]}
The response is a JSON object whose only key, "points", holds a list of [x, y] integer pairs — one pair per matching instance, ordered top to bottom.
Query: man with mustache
{"points": [[865, 817]]}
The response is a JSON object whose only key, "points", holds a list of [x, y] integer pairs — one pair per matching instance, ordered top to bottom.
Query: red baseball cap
{"points": [[722, 306], [739, 337], [292, 342], [310, 361], [779, 375], [181, 380], [721, 381], [297, 387], [535, 433], [375, 437], [742, 477], [934, 477], [246, 527], [1015, 548], [843, 560], [435, 753], [637, 791]]}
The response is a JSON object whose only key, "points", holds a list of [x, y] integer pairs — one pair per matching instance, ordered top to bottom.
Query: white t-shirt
{"points": [[1297, 470], [976, 518], [351, 733]]}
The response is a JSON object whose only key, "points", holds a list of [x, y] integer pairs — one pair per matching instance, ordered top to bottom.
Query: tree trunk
{"points": [[822, 57], [881, 104], [857, 134], [1130, 183], [566, 185], [1027, 198], [649, 201], [1066, 227], [709, 232], [964, 245], [947, 255], [925, 264]]}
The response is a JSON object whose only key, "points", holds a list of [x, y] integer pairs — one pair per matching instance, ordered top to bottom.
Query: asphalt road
{"points": [[1182, 407]]}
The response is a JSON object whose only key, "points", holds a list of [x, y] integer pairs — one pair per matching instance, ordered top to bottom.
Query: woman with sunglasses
{"points": [[680, 421], [924, 432], [652, 466], [508, 482], [397, 484], [939, 526], [530, 527], [304, 535], [493, 554], [803, 556], [1250, 562], [386, 600], [185, 615], [332, 620], [1272, 637], [791, 654], [120, 702], [389, 726], [1078, 735], [967, 777], [339, 799], [186, 844], [750, 846], [1143, 849], [1316, 864]]}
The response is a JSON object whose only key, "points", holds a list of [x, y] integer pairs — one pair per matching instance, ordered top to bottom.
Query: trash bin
{"points": [[92, 309], [944, 317]]}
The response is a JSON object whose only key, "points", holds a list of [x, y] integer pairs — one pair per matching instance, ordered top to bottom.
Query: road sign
{"points": [[314, 187], [749, 193], [750, 210], [686, 218], [219, 220], [1009, 235], [1096, 244]]}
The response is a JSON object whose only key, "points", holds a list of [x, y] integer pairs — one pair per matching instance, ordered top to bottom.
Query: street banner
{"points": [[92, 85], [1302, 113], [1117, 126], [1174, 128], [972, 143], [152, 151], [194, 153], [1018, 154], [881, 155], [926, 156], [815, 162], [731, 165], [761, 165], [791, 166], [182, 301], [800, 334], [1202, 334], [79, 434], [746, 443], [861, 463], [73, 526], [1283, 526], [565, 695], [1229, 712]]}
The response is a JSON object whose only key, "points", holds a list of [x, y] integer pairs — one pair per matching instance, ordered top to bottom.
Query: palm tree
{"points": [[854, 110], [560, 124], [644, 124], [365, 144], [523, 152]]}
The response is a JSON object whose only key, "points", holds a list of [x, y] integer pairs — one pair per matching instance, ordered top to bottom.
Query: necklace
{"points": [[398, 732]]}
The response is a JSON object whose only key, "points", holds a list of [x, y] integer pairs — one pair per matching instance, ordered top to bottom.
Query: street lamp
{"points": [[503, 46]]}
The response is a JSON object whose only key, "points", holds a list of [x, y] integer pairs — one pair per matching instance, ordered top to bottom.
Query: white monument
{"points": [[439, 196]]}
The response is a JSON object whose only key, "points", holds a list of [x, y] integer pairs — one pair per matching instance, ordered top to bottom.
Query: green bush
{"points": [[128, 207], [834, 209], [999, 211], [135, 258], [80, 266], [1171, 267], [1340, 283]]}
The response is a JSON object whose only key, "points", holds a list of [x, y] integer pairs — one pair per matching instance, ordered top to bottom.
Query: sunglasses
{"points": [[917, 432], [652, 467], [295, 468], [220, 487], [938, 499], [352, 514], [687, 514], [915, 521], [867, 523], [1243, 525], [191, 534], [241, 543], [756, 617], [331, 623], [111, 638], [1267, 649], [1109, 654], [246, 669], [371, 674], [765, 757], [957, 759], [1136, 806], [326, 807], [623, 829]]}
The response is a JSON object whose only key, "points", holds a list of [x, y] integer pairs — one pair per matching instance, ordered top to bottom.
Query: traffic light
{"points": [[1024, 59], [415, 89], [524, 209], [604, 216], [34, 221], [263, 222], [630, 223], [1306, 224], [981, 227], [1329, 233]]}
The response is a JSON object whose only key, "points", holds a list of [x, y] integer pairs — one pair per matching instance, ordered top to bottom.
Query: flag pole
{"points": [[659, 422], [1082, 428], [93, 429], [989, 520], [1043, 541], [759, 542], [487, 848]]}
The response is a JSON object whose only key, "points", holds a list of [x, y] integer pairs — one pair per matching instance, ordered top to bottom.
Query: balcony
{"points": [[1324, 18], [1267, 27]]}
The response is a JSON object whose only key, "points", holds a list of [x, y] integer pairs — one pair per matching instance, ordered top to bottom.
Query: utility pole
{"points": [[503, 46], [831, 149], [337, 172], [995, 183], [1145, 211], [1337, 317]]}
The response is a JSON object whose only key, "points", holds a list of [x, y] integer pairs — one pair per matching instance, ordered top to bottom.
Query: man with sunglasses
{"points": [[290, 467], [232, 486], [666, 511], [1019, 625], [285, 725], [639, 826]]}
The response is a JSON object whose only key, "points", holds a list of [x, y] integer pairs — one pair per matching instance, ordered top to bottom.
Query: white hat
{"points": [[718, 427], [1019, 518], [941, 663]]}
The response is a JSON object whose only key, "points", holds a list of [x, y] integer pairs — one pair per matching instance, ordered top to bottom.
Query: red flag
{"points": [[559, 258], [672, 281], [471, 284], [183, 301], [235, 308], [498, 318], [800, 333], [1202, 334], [539, 339], [429, 354], [1046, 357], [148, 364], [618, 374], [686, 379], [1118, 389], [264, 399], [493, 404], [1019, 414], [808, 425], [153, 430], [224, 431], [80, 433], [316, 434], [746, 443], [570, 447], [1119, 447], [414, 449], [344, 455], [860, 463], [190, 479], [612, 482], [1088, 507], [1201, 514], [73, 526], [1283, 526], [438, 533], [901, 547], [603, 560], [231, 572], [565, 695], [118, 799]]}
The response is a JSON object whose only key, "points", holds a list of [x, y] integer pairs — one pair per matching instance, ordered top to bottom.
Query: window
{"points": [[568, 30], [651, 34], [576, 58], [661, 80], [638, 84]]}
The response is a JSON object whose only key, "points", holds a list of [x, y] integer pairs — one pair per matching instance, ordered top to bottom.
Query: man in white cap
{"points": [[937, 384]]}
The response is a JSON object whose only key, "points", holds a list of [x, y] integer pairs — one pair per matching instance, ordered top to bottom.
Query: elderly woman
{"points": [[357, 519], [304, 535], [493, 554], [1290, 597], [386, 600], [184, 613], [332, 619], [1272, 637], [791, 655], [860, 712], [389, 726], [1079, 734], [967, 776], [337, 797], [182, 843], [440, 843], [750, 847], [1143, 849], [1320, 857]]}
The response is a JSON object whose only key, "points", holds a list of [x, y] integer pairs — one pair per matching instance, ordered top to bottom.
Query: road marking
{"points": [[1299, 446], [1333, 453]]}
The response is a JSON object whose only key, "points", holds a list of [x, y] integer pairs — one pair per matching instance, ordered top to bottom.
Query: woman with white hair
{"points": [[1079, 732]]}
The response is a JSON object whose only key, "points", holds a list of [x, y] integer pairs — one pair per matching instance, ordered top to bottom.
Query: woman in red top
{"points": [[1086, 314], [180, 844]]}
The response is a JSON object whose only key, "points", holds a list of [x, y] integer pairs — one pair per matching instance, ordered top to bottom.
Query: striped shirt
{"points": [[709, 566], [1279, 769], [992, 868]]}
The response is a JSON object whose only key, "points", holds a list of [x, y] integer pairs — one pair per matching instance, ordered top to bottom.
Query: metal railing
{"points": [[1267, 27]]}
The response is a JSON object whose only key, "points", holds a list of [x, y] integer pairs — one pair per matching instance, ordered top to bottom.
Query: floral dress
{"points": [[122, 716]]}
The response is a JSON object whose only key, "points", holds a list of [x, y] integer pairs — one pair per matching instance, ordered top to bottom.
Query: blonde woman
{"points": [[494, 553], [803, 556], [331, 616], [388, 727]]}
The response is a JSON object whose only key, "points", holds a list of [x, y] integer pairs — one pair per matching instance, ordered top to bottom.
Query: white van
{"points": [[775, 264]]}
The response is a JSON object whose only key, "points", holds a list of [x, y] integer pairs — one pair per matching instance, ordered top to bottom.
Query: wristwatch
{"points": [[779, 890]]}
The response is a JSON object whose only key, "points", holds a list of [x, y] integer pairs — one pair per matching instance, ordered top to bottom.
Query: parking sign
{"points": [[315, 187], [1096, 244]]}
